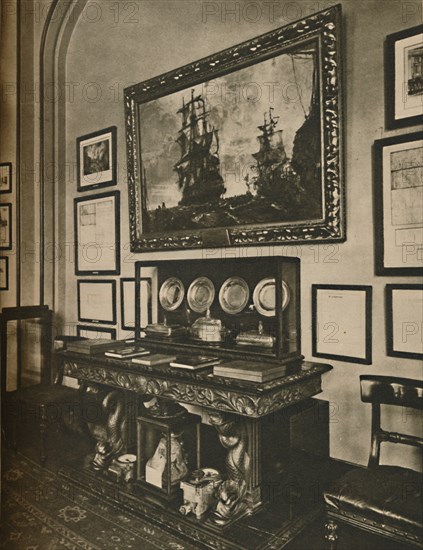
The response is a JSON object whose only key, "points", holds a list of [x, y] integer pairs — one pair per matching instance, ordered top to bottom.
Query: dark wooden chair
{"points": [[27, 387], [383, 500]]}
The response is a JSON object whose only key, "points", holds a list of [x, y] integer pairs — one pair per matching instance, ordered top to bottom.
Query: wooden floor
{"points": [[292, 519]]}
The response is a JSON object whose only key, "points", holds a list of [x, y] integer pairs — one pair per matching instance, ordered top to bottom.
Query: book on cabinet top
{"points": [[94, 345], [126, 353], [155, 359], [194, 362], [250, 370]]}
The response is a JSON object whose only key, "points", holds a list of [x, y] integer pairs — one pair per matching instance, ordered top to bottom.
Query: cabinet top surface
{"points": [[200, 387]]}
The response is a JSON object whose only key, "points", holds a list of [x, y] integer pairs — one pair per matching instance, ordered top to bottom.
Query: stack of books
{"points": [[94, 345], [126, 353], [155, 359], [194, 362], [250, 371]]}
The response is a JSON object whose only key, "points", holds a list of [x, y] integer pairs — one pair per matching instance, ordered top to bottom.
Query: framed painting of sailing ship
{"points": [[243, 147]]}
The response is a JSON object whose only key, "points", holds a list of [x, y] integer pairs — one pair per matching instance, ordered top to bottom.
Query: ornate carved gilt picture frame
{"points": [[243, 147]]}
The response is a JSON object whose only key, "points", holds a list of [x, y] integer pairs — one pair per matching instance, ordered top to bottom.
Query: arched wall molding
{"points": [[61, 21]]}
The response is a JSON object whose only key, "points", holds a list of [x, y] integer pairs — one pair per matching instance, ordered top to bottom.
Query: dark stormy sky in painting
{"points": [[236, 103]]}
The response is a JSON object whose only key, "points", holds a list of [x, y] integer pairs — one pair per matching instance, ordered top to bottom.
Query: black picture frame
{"points": [[395, 86], [106, 142], [6, 172], [212, 223], [8, 233], [106, 256], [392, 258], [4, 264], [123, 280], [109, 294], [336, 327], [410, 327], [97, 329]]}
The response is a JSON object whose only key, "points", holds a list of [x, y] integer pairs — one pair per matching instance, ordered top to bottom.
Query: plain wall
{"points": [[112, 49], [8, 104]]}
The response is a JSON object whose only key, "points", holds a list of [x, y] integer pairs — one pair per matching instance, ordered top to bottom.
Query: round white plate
{"points": [[171, 294], [200, 294], [234, 295], [264, 296]]}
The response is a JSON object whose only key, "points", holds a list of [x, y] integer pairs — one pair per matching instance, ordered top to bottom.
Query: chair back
{"points": [[25, 346], [390, 390]]}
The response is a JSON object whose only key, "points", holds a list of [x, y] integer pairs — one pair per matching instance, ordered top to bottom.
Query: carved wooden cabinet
{"points": [[242, 309]]}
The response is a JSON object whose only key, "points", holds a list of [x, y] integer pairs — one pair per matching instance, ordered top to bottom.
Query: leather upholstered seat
{"points": [[388, 496], [384, 500]]}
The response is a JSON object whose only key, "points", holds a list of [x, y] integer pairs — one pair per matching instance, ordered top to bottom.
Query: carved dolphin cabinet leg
{"points": [[106, 417], [240, 492]]}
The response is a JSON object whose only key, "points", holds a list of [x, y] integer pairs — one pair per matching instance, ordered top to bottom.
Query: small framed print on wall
{"points": [[404, 83], [96, 159], [5, 177], [398, 190], [6, 226], [97, 234], [4, 273], [97, 301], [127, 302], [404, 320], [342, 322], [96, 333]]}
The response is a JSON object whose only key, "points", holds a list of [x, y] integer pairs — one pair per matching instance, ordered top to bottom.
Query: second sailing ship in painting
{"points": [[241, 149]]}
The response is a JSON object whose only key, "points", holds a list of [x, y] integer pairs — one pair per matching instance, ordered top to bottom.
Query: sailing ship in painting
{"points": [[273, 168], [198, 169], [276, 186]]}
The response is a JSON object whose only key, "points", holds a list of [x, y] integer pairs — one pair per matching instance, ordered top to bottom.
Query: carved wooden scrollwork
{"points": [[250, 403]]}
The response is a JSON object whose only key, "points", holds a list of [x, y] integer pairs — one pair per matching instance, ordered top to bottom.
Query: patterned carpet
{"points": [[40, 511], [44, 511]]}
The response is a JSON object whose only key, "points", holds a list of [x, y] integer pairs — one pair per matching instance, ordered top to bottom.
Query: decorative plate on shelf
{"points": [[171, 294], [200, 294], [234, 295], [264, 296]]}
